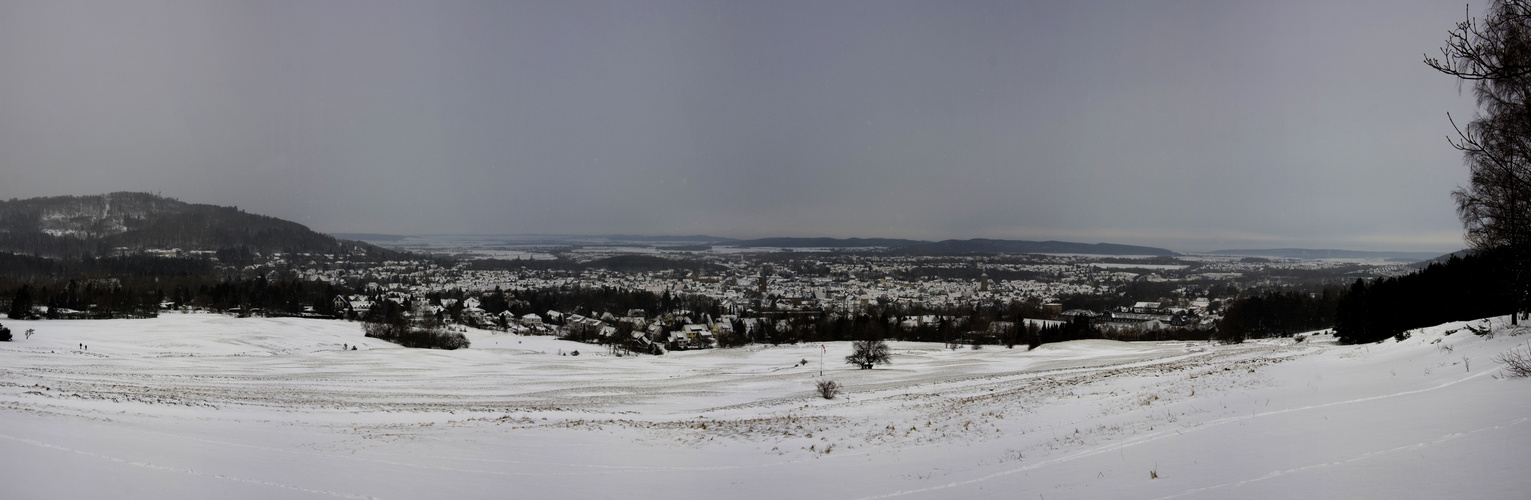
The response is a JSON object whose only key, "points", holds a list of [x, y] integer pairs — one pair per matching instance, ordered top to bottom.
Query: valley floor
{"points": [[200, 406]]}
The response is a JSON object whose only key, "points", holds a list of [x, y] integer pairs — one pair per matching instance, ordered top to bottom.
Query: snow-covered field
{"points": [[208, 406]]}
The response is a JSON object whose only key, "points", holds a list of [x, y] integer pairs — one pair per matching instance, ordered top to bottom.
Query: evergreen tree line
{"points": [[28, 266], [1464, 288], [1458, 289], [130, 297], [272, 298], [90, 301], [1279, 314], [1078, 329], [1085, 329]]}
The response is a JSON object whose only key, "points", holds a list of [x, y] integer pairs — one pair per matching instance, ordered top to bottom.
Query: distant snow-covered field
{"points": [[209, 406]]}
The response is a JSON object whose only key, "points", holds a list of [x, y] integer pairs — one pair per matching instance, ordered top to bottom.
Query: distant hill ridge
{"points": [[83, 226], [825, 242], [892, 245], [959, 247], [1307, 253]]}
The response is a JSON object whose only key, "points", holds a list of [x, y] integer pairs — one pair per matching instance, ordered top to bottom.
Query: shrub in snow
{"points": [[1486, 331], [5, 333], [866, 353], [1516, 362], [828, 388]]}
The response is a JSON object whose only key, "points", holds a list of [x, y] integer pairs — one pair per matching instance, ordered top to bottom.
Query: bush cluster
{"points": [[416, 336], [1517, 362], [828, 388]]}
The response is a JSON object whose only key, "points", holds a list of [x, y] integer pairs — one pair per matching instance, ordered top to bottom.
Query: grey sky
{"points": [[1189, 125]]}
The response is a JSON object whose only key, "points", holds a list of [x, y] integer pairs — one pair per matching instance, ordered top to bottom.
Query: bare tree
{"points": [[1494, 54], [866, 353]]}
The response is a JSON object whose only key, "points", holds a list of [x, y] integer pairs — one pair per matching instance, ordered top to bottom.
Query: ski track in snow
{"points": [[1155, 436], [1363, 456], [613, 468], [625, 468]]}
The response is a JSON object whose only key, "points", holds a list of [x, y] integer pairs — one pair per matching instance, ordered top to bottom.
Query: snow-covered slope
{"points": [[197, 406]]}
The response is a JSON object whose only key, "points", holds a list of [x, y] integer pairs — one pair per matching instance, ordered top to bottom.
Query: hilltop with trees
{"points": [[83, 227]]}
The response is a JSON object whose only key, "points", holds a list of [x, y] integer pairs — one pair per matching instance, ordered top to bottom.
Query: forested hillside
{"points": [[73, 227]]}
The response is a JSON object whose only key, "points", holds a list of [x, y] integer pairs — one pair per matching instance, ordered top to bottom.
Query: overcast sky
{"points": [[1187, 125]]}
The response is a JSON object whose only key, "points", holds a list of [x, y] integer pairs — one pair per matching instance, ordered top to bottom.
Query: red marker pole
{"points": [[822, 350]]}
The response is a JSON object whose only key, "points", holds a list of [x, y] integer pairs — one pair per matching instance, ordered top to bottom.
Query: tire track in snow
{"points": [[1148, 438], [192, 472]]}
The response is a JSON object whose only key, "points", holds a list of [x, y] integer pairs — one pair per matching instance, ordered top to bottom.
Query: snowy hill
{"points": [[197, 406]]}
